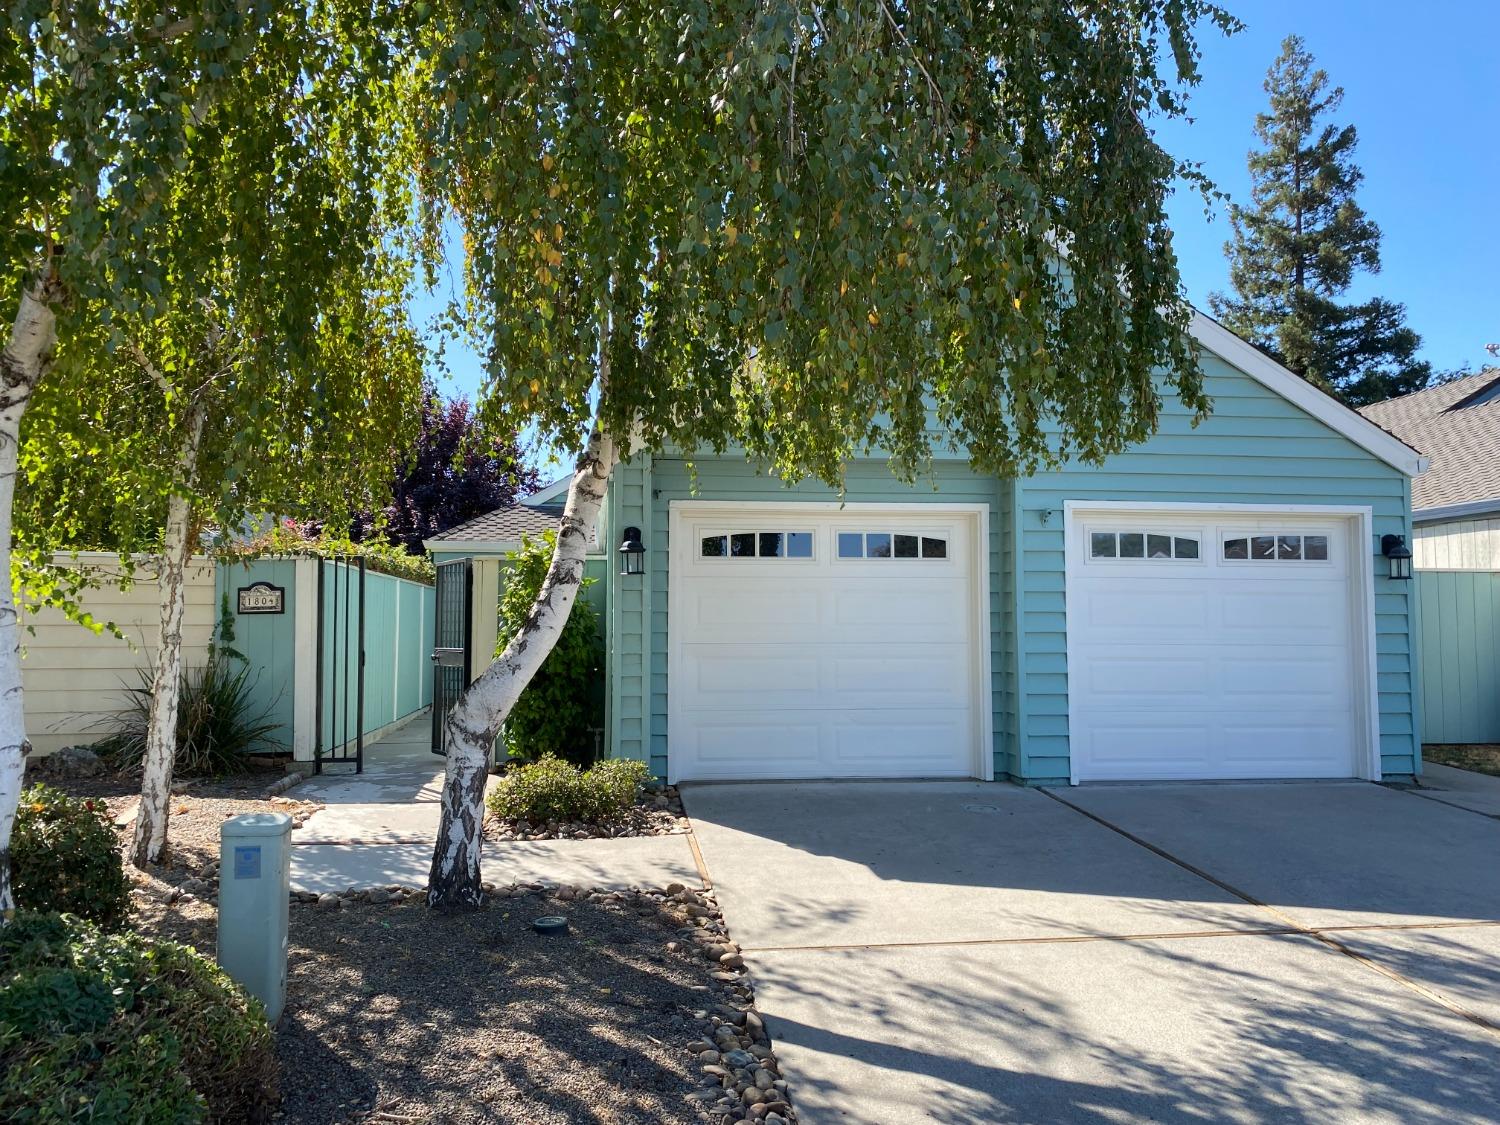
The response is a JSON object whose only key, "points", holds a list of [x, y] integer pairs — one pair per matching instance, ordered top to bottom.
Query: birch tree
{"points": [[96, 100], [109, 107], [799, 227], [275, 373]]}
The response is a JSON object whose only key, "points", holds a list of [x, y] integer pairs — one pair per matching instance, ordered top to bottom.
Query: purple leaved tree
{"points": [[456, 471]]}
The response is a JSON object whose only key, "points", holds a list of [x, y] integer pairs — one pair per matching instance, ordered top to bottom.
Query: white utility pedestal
{"points": [[255, 882]]}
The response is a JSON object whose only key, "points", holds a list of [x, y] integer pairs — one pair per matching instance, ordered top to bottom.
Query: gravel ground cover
{"points": [[1480, 758], [659, 813], [166, 896], [639, 1014]]}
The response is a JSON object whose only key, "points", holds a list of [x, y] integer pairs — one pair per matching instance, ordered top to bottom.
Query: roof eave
{"points": [[1292, 387], [1446, 512]]}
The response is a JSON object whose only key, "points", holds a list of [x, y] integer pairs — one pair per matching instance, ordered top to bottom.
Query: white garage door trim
{"points": [[680, 512], [1360, 522]]}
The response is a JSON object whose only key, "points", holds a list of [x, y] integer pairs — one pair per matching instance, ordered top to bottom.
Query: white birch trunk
{"points": [[23, 363], [474, 722], [150, 838]]}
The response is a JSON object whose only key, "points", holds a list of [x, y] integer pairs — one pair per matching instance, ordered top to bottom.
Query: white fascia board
{"points": [[1298, 391], [547, 493], [1456, 511], [472, 546], [484, 548]]}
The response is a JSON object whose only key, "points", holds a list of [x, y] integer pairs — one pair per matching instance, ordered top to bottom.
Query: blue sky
{"points": [[1422, 84]]}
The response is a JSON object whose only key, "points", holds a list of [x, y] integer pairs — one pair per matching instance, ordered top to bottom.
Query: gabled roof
{"points": [[1458, 424], [1390, 447], [506, 524], [500, 531]]}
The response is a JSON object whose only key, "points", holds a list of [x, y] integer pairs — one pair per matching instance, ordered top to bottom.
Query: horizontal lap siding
{"points": [[1256, 448], [868, 481], [628, 605], [1459, 648], [74, 679]]}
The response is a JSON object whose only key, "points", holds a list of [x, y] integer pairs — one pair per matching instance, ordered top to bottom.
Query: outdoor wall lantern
{"points": [[1394, 548], [632, 552]]}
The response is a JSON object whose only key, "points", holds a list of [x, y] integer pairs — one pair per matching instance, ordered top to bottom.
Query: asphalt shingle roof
{"points": [[1460, 437], [506, 523]]}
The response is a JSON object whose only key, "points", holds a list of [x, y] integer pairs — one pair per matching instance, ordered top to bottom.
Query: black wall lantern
{"points": [[1394, 548], [632, 552]]}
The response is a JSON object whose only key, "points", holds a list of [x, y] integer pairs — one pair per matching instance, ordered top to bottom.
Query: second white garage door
{"points": [[807, 642], [1211, 646]]}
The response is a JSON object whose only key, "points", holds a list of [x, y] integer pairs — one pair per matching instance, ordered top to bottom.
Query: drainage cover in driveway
{"points": [[982, 808]]}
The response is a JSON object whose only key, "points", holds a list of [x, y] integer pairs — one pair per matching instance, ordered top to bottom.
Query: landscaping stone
{"points": [[68, 763]]}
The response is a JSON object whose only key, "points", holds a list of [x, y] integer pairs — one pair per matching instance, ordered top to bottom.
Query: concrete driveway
{"points": [[963, 952]]}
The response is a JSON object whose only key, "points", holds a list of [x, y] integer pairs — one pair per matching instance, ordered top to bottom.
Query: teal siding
{"points": [[1256, 448], [868, 481], [628, 601], [267, 640], [1459, 650]]}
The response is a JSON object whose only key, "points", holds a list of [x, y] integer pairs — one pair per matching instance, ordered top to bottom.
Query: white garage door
{"points": [[814, 642], [1210, 647]]}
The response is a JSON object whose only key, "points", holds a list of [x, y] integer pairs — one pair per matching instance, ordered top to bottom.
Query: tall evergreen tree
{"points": [[1297, 249]]}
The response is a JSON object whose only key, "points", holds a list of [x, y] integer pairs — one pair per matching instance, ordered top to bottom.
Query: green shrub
{"points": [[565, 698], [218, 722], [552, 789], [63, 857], [113, 1028]]}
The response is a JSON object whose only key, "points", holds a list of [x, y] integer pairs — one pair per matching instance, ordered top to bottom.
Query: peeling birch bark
{"points": [[23, 363], [475, 721], [150, 838]]}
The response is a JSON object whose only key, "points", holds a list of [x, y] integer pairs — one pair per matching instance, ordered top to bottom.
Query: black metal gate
{"points": [[452, 642], [341, 663]]}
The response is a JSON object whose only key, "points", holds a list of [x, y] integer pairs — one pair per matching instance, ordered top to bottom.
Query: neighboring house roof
{"points": [[1458, 425], [554, 493], [506, 524], [500, 531]]}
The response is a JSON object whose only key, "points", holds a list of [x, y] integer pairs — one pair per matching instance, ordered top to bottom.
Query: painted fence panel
{"points": [[268, 641], [396, 645], [1459, 649], [75, 678]]}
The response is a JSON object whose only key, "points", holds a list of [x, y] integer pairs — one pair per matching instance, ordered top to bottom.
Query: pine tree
{"points": [[1297, 249]]}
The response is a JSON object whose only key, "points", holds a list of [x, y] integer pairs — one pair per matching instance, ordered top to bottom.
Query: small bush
{"points": [[565, 698], [218, 722], [552, 789], [64, 858], [115, 1028]]}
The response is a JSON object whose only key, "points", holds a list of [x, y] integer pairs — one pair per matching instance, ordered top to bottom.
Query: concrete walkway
{"points": [[1464, 789], [378, 829], [962, 952]]}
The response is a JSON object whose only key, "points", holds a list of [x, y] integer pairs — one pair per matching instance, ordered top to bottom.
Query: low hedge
{"points": [[552, 789], [64, 858], [114, 1029]]}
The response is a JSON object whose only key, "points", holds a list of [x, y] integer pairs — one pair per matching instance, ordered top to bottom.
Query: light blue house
{"points": [[1456, 551], [1212, 604]]}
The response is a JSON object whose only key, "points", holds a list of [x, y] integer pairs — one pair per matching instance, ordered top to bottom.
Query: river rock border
{"points": [[740, 1080]]}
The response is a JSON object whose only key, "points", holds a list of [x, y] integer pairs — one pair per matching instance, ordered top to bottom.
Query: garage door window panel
{"points": [[756, 545], [890, 545], [1143, 546], [1277, 547]]}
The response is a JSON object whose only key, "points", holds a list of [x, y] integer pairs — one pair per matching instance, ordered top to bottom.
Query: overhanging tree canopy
{"points": [[804, 229]]}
